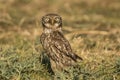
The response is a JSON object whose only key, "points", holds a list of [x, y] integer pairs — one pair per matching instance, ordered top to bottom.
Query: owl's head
{"points": [[52, 21]]}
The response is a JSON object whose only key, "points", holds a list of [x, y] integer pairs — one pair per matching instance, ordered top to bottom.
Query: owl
{"points": [[55, 45]]}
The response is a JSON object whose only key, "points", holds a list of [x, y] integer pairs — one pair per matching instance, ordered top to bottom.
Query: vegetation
{"points": [[92, 27]]}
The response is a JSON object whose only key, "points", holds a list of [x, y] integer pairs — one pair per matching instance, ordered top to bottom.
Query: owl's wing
{"points": [[64, 47]]}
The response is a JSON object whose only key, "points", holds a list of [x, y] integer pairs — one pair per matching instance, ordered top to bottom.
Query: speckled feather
{"points": [[57, 46], [58, 49]]}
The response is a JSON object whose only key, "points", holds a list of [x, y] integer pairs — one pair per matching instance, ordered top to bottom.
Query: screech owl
{"points": [[54, 43]]}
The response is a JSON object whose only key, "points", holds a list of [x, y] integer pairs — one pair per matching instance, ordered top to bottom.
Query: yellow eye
{"points": [[46, 19], [57, 19]]}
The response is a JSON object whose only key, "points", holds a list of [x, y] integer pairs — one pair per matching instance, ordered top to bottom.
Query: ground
{"points": [[91, 26]]}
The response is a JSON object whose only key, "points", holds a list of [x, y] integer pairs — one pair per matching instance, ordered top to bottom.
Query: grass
{"points": [[92, 28]]}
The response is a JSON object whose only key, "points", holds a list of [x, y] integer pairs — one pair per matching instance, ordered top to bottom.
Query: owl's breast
{"points": [[46, 41]]}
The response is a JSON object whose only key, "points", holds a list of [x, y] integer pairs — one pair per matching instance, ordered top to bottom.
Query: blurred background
{"points": [[23, 17]]}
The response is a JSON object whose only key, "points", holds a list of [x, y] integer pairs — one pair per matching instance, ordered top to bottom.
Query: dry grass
{"points": [[92, 27]]}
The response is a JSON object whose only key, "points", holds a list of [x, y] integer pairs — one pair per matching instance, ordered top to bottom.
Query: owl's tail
{"points": [[75, 57], [78, 58]]}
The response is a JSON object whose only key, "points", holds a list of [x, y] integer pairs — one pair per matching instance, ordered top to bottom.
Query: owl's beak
{"points": [[52, 22]]}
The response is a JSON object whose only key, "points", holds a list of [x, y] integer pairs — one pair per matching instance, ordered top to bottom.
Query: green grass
{"points": [[92, 28]]}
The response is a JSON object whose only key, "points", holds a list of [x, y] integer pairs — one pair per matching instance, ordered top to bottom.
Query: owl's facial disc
{"points": [[52, 22]]}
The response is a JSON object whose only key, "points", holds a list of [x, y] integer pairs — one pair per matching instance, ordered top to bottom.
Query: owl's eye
{"points": [[46, 19], [57, 19]]}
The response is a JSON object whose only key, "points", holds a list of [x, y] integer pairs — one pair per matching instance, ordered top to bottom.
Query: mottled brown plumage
{"points": [[55, 44]]}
